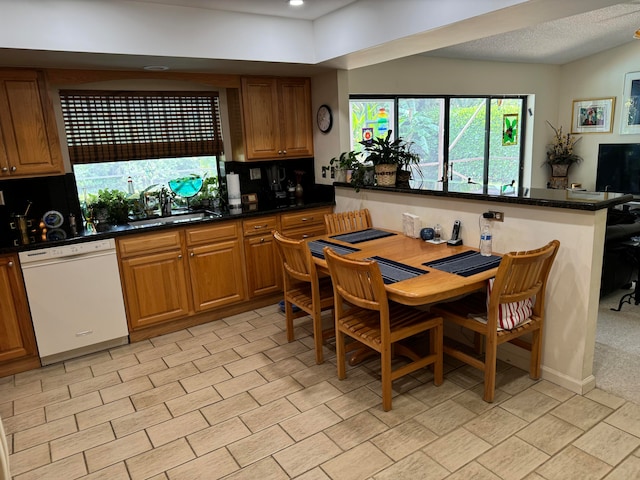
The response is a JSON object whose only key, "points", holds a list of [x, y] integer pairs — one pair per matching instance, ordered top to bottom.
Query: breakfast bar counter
{"points": [[529, 221]]}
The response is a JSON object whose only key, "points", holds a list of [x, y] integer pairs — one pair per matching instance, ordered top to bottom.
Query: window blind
{"points": [[108, 126]]}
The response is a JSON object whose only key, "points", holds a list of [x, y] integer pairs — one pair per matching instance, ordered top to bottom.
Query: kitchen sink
{"points": [[173, 219]]}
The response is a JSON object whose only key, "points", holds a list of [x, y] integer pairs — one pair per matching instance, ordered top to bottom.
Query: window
{"points": [[482, 136], [152, 137]]}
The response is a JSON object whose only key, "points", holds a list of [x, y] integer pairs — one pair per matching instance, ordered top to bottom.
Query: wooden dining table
{"points": [[429, 288]]}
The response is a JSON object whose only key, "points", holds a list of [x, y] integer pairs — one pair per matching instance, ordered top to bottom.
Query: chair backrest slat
{"points": [[345, 222], [296, 257], [523, 275], [359, 282]]}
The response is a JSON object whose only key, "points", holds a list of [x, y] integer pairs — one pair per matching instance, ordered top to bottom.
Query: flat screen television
{"points": [[619, 168]]}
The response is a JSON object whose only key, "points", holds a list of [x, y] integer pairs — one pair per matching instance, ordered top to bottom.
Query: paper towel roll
{"points": [[233, 187]]}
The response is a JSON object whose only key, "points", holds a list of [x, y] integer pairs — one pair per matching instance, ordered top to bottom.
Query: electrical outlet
{"points": [[324, 172], [333, 172], [255, 174], [497, 216]]}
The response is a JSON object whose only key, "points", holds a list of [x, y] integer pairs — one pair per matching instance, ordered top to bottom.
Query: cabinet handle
{"points": [[13, 169], [304, 219], [257, 227], [305, 236], [10, 264]]}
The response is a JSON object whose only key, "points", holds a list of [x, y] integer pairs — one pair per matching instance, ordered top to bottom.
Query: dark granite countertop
{"points": [[541, 197], [208, 217]]}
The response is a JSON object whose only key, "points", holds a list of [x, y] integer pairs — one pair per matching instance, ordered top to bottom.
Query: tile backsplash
{"points": [[46, 193]]}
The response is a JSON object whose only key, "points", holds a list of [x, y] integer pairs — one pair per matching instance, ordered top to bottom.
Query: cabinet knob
{"points": [[284, 152], [5, 169], [13, 169], [262, 240], [192, 254], [179, 257], [10, 264]]}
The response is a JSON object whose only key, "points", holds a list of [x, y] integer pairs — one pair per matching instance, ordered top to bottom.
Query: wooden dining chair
{"points": [[345, 222], [305, 289], [514, 306], [364, 313]]}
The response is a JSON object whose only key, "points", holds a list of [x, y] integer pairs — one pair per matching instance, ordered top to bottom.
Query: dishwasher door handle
{"points": [[84, 333]]}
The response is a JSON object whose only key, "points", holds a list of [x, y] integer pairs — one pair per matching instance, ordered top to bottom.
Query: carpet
{"points": [[617, 354]]}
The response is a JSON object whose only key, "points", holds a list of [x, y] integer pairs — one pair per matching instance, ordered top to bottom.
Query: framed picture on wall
{"points": [[593, 115], [630, 119]]}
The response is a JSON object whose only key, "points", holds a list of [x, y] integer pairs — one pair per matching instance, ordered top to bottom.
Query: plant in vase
{"points": [[561, 155], [388, 156], [344, 165], [109, 207]]}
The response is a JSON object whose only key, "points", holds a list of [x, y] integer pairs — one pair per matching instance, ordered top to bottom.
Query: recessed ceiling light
{"points": [[296, 3], [156, 68]]}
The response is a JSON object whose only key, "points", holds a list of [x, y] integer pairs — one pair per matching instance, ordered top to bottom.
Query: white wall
{"points": [[598, 76], [552, 89]]}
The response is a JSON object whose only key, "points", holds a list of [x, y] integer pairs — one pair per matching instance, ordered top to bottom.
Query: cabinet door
{"points": [[261, 118], [29, 133], [296, 134], [264, 267], [216, 274], [155, 288], [17, 339]]}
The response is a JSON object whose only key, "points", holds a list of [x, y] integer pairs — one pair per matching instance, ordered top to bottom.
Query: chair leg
{"points": [[288, 313], [436, 334], [317, 336], [477, 343], [536, 354], [340, 355], [385, 359], [490, 359]]}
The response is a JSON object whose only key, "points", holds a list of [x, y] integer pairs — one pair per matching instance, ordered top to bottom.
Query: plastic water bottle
{"points": [[485, 238]]}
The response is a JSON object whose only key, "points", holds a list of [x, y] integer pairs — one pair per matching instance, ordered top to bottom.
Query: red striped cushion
{"points": [[510, 315]]}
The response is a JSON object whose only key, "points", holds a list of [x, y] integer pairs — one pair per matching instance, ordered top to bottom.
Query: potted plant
{"points": [[560, 154], [388, 156], [344, 165], [110, 207]]}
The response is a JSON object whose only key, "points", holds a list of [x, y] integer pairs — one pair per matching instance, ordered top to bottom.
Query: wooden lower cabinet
{"points": [[305, 223], [262, 260], [216, 268], [174, 274], [155, 288], [18, 351]]}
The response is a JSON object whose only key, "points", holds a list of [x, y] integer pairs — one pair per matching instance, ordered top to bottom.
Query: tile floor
{"points": [[232, 399]]}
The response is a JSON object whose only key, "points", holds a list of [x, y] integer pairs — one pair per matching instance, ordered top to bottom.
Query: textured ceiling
{"points": [[556, 42]]}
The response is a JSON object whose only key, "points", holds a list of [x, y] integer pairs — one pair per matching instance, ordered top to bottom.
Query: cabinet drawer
{"points": [[303, 218], [259, 226], [305, 232], [211, 233], [152, 242]]}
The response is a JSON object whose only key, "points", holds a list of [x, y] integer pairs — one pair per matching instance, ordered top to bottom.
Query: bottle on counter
{"points": [[485, 235]]}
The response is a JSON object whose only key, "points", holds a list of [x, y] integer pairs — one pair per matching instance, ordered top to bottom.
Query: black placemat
{"points": [[362, 235], [316, 247], [465, 263], [394, 271]]}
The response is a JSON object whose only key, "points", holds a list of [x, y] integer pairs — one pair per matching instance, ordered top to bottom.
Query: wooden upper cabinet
{"points": [[277, 118], [29, 141]]}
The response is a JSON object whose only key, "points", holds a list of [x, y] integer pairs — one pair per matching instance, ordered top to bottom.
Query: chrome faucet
{"points": [[165, 203]]}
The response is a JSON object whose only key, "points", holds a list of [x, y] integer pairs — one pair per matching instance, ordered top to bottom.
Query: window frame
{"points": [[446, 134]]}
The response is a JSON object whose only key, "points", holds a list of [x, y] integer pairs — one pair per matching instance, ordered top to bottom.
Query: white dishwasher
{"points": [[75, 299]]}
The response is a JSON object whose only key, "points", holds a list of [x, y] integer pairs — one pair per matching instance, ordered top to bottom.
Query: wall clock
{"points": [[324, 118]]}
